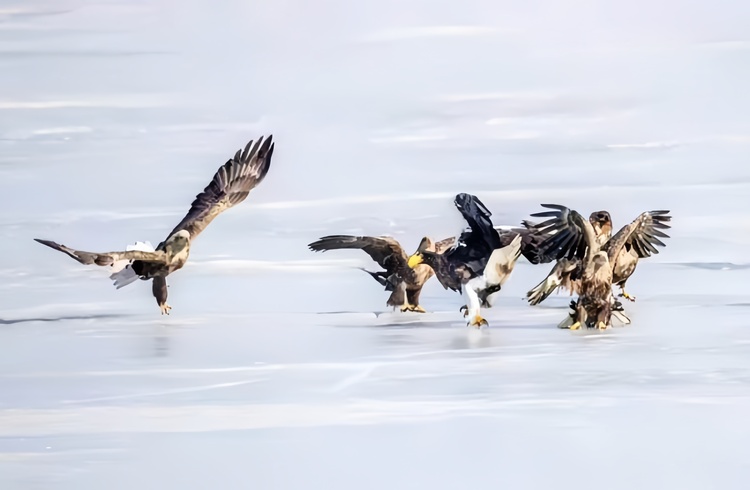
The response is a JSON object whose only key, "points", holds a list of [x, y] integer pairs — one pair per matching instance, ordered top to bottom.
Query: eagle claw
{"points": [[627, 296], [414, 308], [165, 309], [465, 310], [478, 322], [575, 326]]}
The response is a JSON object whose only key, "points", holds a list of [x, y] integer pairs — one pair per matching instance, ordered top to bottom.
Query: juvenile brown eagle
{"points": [[230, 186], [575, 238], [478, 263], [566, 273], [404, 283]]}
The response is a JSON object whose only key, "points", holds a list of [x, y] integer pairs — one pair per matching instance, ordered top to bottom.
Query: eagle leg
{"points": [[159, 290], [624, 294], [474, 308], [575, 326], [602, 326]]}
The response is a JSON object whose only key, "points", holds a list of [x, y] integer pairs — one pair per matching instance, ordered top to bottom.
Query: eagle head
{"points": [[602, 223], [178, 242]]}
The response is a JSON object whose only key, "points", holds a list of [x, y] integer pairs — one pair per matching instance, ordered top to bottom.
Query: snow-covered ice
{"points": [[280, 368]]}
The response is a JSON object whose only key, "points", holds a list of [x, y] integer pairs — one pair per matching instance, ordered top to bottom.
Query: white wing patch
{"points": [[501, 262], [122, 273]]}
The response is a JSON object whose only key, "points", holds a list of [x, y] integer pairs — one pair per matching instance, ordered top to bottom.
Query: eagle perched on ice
{"points": [[230, 186], [480, 260], [404, 283]]}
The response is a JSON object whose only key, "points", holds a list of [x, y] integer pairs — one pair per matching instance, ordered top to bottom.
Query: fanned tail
{"points": [[123, 273], [560, 275]]}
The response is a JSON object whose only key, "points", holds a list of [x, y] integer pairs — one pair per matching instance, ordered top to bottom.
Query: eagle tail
{"points": [[123, 273], [378, 276], [542, 290]]}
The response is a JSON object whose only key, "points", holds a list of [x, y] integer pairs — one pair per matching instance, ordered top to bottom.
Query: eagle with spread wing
{"points": [[230, 186], [574, 238], [480, 260], [566, 273], [404, 283]]}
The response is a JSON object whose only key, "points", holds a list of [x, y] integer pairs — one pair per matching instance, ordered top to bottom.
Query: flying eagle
{"points": [[230, 186], [575, 238], [478, 263], [567, 272], [404, 283]]}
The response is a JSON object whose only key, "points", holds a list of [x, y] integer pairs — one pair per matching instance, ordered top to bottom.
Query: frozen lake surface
{"points": [[280, 368]]}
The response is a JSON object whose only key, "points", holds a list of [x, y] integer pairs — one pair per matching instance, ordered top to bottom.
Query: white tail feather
{"points": [[123, 273]]}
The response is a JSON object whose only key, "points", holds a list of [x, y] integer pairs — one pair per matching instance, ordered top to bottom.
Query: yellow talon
{"points": [[625, 295], [165, 309], [417, 309], [478, 321], [575, 326], [601, 326]]}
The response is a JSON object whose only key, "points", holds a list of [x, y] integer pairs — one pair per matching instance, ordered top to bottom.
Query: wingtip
{"points": [[553, 206], [49, 243]]}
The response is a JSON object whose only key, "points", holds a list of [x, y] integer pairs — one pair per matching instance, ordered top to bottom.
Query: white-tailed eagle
{"points": [[230, 186], [404, 283]]}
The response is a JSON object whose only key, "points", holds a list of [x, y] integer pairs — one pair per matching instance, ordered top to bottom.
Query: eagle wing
{"points": [[230, 186], [568, 234], [642, 235], [531, 238], [445, 244], [475, 245], [386, 251], [106, 258]]}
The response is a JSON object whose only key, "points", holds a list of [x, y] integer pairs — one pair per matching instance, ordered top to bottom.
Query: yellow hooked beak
{"points": [[415, 260]]}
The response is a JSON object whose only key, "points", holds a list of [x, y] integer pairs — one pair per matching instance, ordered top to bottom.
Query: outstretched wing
{"points": [[230, 186], [477, 216], [569, 235], [642, 235], [531, 239], [475, 244], [386, 251], [106, 258]]}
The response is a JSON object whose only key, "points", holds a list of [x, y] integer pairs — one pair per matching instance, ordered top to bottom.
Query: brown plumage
{"points": [[230, 186], [575, 238], [566, 273], [404, 283]]}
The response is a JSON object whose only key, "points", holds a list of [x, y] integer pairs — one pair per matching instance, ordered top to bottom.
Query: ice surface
{"points": [[280, 368]]}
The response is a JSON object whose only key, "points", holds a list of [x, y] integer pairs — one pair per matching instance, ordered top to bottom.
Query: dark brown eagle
{"points": [[230, 186], [575, 238], [481, 259], [404, 283]]}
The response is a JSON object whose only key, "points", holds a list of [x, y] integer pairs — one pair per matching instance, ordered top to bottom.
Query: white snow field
{"points": [[280, 368]]}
